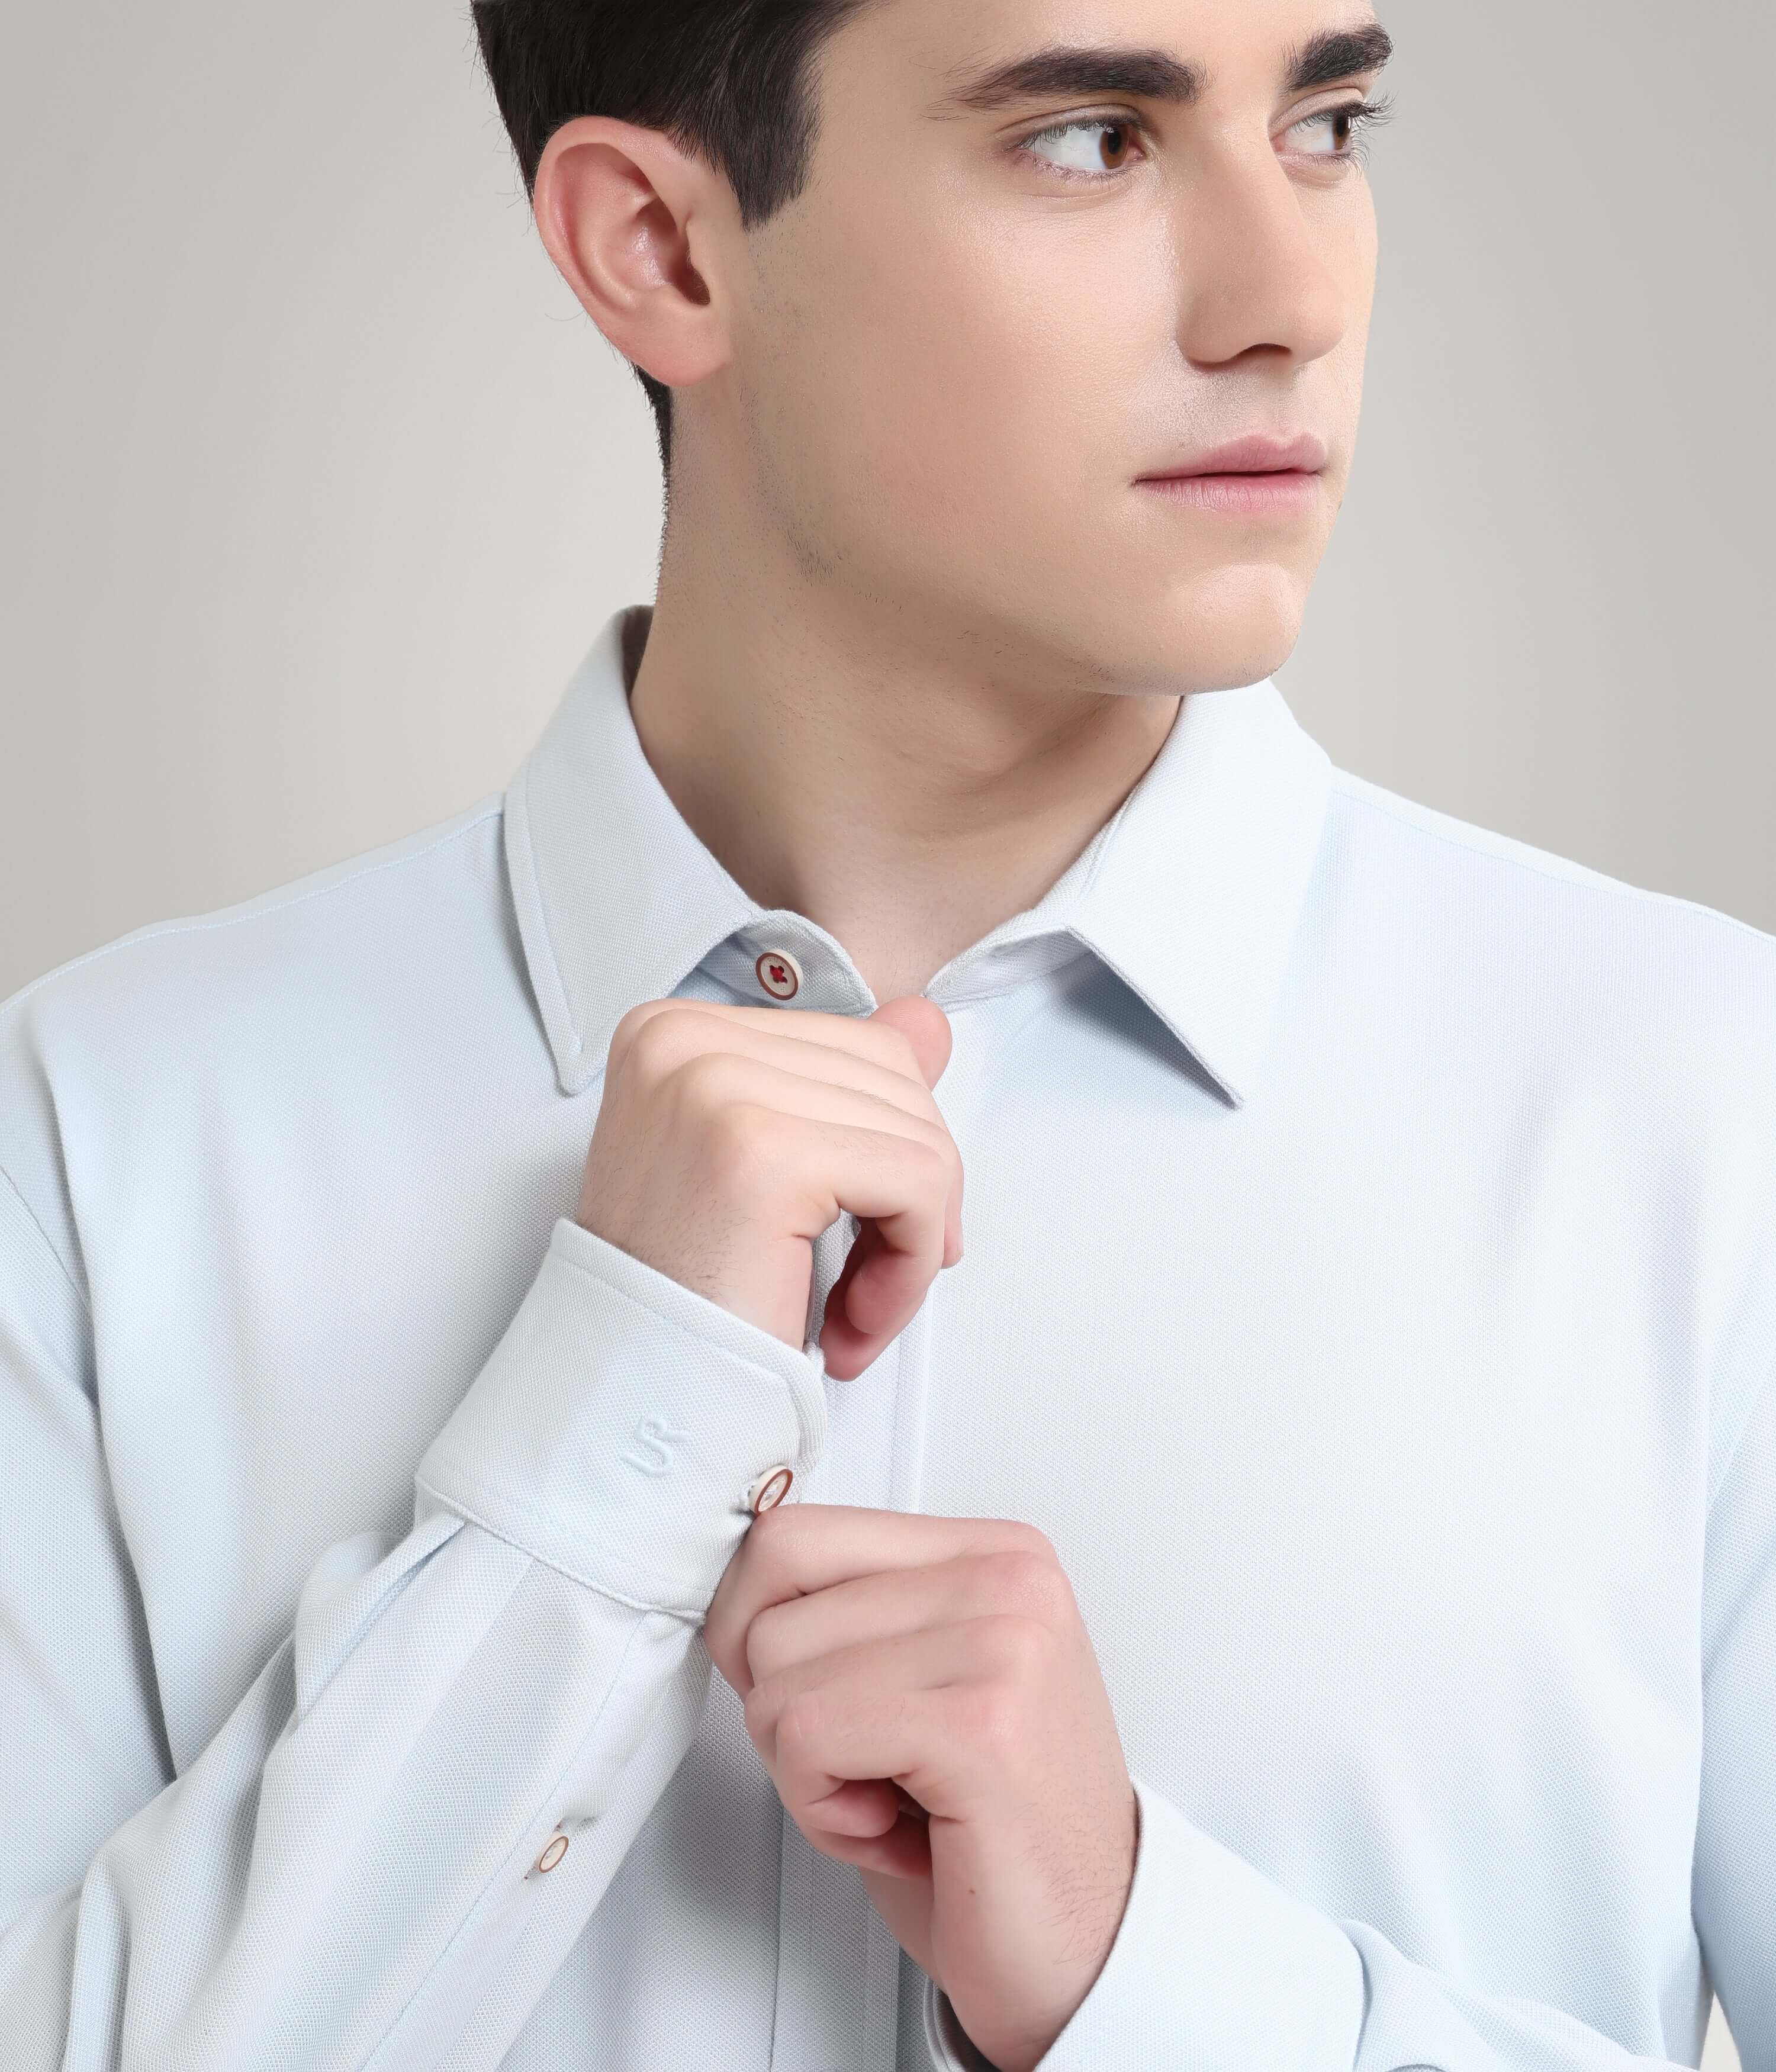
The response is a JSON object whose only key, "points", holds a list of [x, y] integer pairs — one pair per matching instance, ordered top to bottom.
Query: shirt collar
{"points": [[1191, 893]]}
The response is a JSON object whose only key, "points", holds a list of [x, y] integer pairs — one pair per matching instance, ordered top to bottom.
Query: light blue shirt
{"points": [[1370, 1288]]}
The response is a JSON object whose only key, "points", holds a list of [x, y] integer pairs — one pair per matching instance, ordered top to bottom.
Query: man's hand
{"points": [[729, 1138], [925, 1697]]}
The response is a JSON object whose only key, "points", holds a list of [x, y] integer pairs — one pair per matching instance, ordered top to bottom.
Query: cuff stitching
{"points": [[694, 1613]]}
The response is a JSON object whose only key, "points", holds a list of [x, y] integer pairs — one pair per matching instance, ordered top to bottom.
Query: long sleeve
{"points": [[347, 1875], [1734, 1897], [1217, 1968]]}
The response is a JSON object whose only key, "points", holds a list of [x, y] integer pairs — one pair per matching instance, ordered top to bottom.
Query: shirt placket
{"points": [[838, 1964]]}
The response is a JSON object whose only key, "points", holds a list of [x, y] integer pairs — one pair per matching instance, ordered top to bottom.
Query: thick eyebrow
{"points": [[1335, 54], [1075, 71], [1083, 72]]}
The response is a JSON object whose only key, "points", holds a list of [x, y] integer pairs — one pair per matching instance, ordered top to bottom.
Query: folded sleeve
{"points": [[349, 1874], [1217, 1968]]}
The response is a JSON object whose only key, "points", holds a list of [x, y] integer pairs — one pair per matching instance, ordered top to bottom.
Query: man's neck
{"points": [[907, 801]]}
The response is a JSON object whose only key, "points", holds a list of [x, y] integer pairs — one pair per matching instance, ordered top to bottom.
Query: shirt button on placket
{"points": [[778, 973]]}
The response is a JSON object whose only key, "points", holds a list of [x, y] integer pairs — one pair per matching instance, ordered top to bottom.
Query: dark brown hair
{"points": [[727, 79]]}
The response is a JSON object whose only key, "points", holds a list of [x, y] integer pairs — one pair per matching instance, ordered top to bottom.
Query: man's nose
{"points": [[1252, 267]]}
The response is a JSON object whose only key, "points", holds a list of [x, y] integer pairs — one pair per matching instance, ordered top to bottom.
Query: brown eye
{"points": [[1337, 133], [1117, 143], [1101, 149]]}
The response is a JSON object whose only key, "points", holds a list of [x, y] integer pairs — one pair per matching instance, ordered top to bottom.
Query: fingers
{"points": [[926, 1026], [866, 1038], [667, 1043], [672, 1055], [725, 1083], [729, 1139], [851, 1332], [800, 1548], [884, 1606], [931, 1710], [873, 1824]]}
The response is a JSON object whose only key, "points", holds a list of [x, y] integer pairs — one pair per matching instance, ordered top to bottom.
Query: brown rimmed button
{"points": [[778, 973], [771, 1487], [553, 1854]]}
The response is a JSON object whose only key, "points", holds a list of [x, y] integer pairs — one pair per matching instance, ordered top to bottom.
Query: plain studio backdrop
{"points": [[315, 483]]}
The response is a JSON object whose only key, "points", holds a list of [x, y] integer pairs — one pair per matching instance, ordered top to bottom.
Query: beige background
{"points": [[315, 484]]}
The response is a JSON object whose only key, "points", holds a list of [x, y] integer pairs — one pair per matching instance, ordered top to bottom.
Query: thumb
{"points": [[925, 1025]]}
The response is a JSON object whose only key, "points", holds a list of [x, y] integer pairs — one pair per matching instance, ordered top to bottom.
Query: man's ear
{"points": [[620, 210]]}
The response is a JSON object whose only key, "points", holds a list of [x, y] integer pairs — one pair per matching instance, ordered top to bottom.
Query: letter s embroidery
{"points": [[653, 1449]]}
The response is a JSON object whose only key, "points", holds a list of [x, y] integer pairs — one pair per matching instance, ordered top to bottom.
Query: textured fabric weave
{"points": [[1370, 1288]]}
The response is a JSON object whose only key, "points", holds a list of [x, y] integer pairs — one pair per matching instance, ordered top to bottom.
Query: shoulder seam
{"points": [[1593, 881], [201, 924], [49, 1244]]}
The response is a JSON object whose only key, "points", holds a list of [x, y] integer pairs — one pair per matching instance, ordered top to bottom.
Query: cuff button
{"points": [[771, 1487]]}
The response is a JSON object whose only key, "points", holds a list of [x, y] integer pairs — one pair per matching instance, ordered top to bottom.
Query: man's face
{"points": [[977, 330]]}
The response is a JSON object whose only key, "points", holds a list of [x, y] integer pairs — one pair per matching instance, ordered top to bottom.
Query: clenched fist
{"points": [[729, 1138], [926, 1699]]}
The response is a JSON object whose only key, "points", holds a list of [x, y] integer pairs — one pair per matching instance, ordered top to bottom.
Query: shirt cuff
{"points": [[620, 1423], [1215, 1966], [947, 2043]]}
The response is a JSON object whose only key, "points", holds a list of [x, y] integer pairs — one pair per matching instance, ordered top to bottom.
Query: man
{"points": [[937, 1356]]}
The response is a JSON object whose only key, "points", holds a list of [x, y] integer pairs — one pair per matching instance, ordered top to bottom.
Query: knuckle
{"points": [[635, 1022], [629, 1025], [669, 1042], [649, 1043], [705, 1080], [943, 1146], [935, 1176], [1021, 1537], [1030, 1581], [761, 1642], [1020, 1647], [758, 1708], [801, 1723]]}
